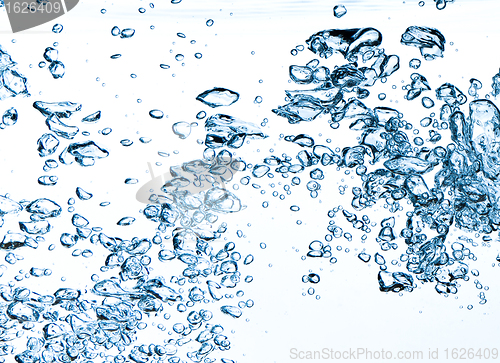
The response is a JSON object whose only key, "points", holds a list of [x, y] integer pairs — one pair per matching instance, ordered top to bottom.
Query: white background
{"points": [[351, 311]]}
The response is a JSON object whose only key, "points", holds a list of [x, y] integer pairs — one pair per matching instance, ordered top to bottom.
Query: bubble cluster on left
{"points": [[181, 275]]}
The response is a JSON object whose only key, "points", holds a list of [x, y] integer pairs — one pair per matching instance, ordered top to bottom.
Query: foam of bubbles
{"points": [[183, 271]]}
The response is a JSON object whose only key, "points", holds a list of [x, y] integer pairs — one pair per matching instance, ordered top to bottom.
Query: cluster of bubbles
{"points": [[448, 180], [453, 184]]}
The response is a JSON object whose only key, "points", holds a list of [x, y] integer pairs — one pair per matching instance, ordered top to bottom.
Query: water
{"points": [[430, 41], [217, 97], [364, 191]]}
